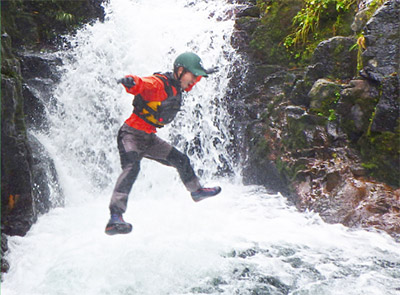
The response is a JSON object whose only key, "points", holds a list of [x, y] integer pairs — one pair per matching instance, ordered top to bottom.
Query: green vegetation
{"points": [[373, 6], [308, 19], [317, 21], [32, 23], [274, 25], [291, 30], [361, 43], [361, 46], [332, 112], [378, 149]]}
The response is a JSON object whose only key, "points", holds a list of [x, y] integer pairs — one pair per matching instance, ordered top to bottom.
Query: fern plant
{"points": [[307, 19]]}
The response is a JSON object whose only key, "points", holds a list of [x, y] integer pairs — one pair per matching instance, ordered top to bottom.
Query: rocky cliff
{"points": [[322, 117]]}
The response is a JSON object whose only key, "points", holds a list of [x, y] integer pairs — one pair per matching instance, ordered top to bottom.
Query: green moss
{"points": [[373, 6], [318, 21], [244, 22], [267, 39], [338, 50], [10, 73], [324, 100], [301, 131], [381, 155], [290, 169]]}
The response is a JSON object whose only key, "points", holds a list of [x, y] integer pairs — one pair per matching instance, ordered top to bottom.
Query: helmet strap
{"points": [[182, 73]]}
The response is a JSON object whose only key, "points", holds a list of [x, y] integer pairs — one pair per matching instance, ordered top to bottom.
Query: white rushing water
{"points": [[243, 241]]}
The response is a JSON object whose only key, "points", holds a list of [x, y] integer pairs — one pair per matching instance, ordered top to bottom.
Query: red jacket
{"points": [[151, 89]]}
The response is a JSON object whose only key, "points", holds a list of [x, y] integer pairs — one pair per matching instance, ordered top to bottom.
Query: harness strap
{"points": [[167, 86], [140, 104]]}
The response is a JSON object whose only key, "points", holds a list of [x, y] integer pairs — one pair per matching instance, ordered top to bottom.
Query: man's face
{"points": [[187, 78]]}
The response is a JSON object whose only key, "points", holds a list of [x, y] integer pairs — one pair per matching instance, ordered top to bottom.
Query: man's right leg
{"points": [[130, 162], [119, 198]]}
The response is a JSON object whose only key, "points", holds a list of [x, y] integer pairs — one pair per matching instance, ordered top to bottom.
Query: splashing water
{"points": [[244, 241]]}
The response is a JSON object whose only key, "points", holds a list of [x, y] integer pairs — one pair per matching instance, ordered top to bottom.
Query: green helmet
{"points": [[191, 62]]}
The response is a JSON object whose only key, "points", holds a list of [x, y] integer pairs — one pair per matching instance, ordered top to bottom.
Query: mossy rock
{"points": [[276, 21], [247, 23], [332, 23], [335, 59], [324, 96], [356, 107], [305, 131], [381, 155], [292, 168]]}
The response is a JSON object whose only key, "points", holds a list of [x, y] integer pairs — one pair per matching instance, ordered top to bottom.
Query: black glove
{"points": [[212, 70], [128, 82]]}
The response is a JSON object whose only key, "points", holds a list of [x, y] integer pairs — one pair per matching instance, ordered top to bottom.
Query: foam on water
{"points": [[241, 242]]}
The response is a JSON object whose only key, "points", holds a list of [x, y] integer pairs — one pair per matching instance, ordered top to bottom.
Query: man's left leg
{"points": [[168, 155]]}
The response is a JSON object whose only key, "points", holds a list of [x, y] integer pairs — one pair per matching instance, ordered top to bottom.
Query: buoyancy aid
{"points": [[159, 113]]}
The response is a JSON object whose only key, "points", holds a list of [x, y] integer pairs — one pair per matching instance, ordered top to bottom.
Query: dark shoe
{"points": [[204, 193], [117, 225]]}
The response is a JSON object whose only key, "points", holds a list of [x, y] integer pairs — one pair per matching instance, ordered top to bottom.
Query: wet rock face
{"points": [[381, 57], [333, 58], [381, 60], [40, 74], [387, 109], [329, 135], [27, 170], [46, 191], [340, 192], [18, 212]]}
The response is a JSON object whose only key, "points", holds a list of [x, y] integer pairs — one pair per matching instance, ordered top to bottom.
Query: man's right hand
{"points": [[128, 82]]}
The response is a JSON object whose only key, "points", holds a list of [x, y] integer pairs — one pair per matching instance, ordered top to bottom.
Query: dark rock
{"points": [[252, 11], [360, 20], [247, 24], [382, 55], [333, 58], [42, 65], [316, 71], [40, 74], [299, 95], [323, 95], [356, 106], [34, 108], [388, 108], [295, 111], [261, 170], [358, 171], [333, 179], [46, 191], [18, 212]]}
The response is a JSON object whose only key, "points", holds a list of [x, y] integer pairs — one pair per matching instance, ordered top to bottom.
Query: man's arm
{"points": [[151, 88]]}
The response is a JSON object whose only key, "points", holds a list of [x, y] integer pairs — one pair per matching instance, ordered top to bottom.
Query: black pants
{"points": [[135, 144]]}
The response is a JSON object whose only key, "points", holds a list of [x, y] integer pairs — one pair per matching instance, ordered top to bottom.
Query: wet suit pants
{"points": [[133, 145]]}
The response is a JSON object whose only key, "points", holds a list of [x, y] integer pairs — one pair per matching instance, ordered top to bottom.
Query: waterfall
{"points": [[243, 241]]}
